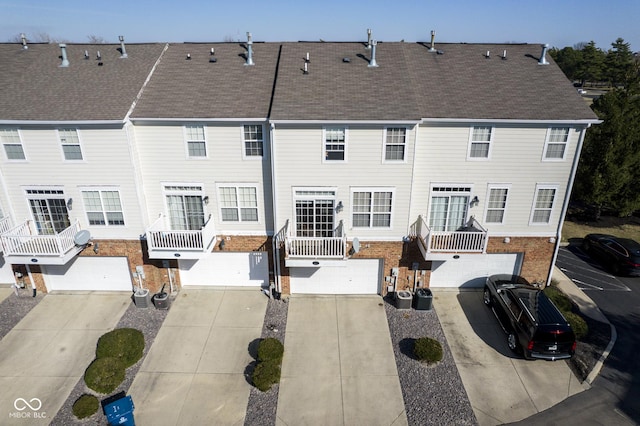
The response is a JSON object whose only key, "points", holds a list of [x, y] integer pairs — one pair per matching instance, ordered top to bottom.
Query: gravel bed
{"points": [[14, 308], [148, 321], [433, 395], [262, 406]]}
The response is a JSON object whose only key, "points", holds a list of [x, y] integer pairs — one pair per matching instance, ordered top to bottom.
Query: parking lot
{"points": [[587, 274]]}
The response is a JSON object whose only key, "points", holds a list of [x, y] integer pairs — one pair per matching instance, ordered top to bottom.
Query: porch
{"points": [[165, 243], [438, 245], [308, 251]]}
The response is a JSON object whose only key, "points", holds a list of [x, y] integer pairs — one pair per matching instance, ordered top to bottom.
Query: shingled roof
{"points": [[34, 88]]}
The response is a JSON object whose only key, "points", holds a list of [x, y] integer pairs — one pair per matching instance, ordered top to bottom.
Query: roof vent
{"points": [[368, 38], [24, 41], [433, 41], [63, 50], [249, 50], [123, 51], [86, 54], [504, 54], [487, 55], [98, 56], [188, 56], [211, 57], [543, 59], [346, 60], [372, 62], [305, 70]]}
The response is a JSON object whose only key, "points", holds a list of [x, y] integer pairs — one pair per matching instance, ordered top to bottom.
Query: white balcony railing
{"points": [[5, 224], [471, 238], [161, 239], [23, 240], [318, 247]]}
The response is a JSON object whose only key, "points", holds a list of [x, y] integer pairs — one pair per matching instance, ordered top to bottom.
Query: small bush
{"points": [[558, 298], [579, 326], [126, 344], [270, 349], [427, 350], [104, 374], [266, 374], [85, 406]]}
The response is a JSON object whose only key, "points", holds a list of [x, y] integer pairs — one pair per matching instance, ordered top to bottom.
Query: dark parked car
{"points": [[620, 255], [534, 326]]}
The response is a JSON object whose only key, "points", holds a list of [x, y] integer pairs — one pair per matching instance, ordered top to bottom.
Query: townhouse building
{"points": [[311, 167]]}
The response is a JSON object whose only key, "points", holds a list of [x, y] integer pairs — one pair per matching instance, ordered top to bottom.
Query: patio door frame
{"points": [[322, 203]]}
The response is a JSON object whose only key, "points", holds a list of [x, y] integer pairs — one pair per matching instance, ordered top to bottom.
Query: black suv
{"points": [[534, 325]]}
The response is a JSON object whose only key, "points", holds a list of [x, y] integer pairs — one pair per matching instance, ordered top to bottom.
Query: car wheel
{"points": [[486, 296], [512, 341]]}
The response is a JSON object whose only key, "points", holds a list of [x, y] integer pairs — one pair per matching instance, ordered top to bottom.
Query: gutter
{"points": [[587, 122]]}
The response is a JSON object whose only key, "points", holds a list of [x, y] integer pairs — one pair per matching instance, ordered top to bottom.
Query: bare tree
{"points": [[94, 39], [229, 39]]}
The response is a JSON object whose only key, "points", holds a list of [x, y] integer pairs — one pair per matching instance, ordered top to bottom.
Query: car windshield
{"points": [[631, 246]]}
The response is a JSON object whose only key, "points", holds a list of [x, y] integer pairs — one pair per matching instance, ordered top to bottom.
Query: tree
{"points": [[94, 39], [569, 60], [619, 63], [591, 66]]}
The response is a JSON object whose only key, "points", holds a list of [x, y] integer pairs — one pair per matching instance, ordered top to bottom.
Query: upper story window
{"points": [[253, 140], [196, 142], [395, 142], [480, 142], [335, 143], [12, 144], [70, 144], [555, 147], [238, 203], [543, 204], [497, 205], [103, 207], [371, 208]]}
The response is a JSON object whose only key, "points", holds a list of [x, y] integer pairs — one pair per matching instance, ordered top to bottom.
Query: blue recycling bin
{"points": [[120, 412]]}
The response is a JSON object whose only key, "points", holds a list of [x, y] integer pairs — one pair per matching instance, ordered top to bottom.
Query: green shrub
{"points": [[558, 298], [579, 326], [126, 344], [270, 349], [427, 350], [104, 374], [266, 374], [85, 406]]}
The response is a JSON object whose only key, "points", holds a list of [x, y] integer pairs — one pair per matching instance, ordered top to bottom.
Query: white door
{"points": [[226, 269], [472, 270], [89, 273], [358, 276]]}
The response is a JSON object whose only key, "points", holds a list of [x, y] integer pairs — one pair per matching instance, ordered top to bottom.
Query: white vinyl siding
{"points": [[253, 140], [196, 141], [70, 142], [480, 142], [395, 143], [12, 144], [335, 144], [555, 147], [545, 197], [238, 203], [496, 204], [103, 207], [371, 208]]}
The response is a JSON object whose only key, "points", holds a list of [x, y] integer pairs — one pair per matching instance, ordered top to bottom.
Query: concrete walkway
{"points": [[5, 291], [44, 355], [339, 367], [194, 372], [501, 387]]}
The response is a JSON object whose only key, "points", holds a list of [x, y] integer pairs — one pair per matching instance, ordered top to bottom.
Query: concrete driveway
{"points": [[44, 355], [338, 366], [501, 387]]}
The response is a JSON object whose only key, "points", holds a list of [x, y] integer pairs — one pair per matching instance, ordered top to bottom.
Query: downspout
{"points": [[413, 177], [565, 207], [274, 209]]}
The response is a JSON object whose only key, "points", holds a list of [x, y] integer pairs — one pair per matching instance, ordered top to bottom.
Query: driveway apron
{"points": [[44, 355], [338, 366], [194, 373], [502, 388]]}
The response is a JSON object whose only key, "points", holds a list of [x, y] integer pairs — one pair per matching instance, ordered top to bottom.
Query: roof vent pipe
{"points": [[368, 38], [24, 41], [433, 41], [63, 50], [249, 50], [123, 51], [86, 54], [504, 54], [543, 55], [372, 62]]}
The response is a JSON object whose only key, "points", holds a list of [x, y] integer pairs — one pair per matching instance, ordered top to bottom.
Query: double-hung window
{"points": [[253, 140], [196, 142], [480, 142], [334, 143], [395, 143], [12, 144], [70, 144], [555, 147], [238, 203], [497, 204], [543, 204], [103, 207], [371, 208]]}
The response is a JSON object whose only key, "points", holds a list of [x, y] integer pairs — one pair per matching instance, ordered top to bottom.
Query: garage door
{"points": [[226, 269], [472, 270], [6, 272], [89, 273], [359, 276]]}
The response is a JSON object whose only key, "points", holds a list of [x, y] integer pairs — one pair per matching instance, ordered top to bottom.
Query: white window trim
{"points": [[187, 140], [471, 142], [547, 142], [61, 144], [324, 144], [384, 145], [244, 146], [24, 151], [237, 185], [453, 187], [101, 189], [392, 190], [506, 204], [553, 206]]}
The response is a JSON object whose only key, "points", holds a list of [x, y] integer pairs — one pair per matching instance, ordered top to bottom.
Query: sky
{"points": [[557, 22]]}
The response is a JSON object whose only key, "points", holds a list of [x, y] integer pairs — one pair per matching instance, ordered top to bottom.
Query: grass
{"points": [[628, 227], [126, 344], [85, 406]]}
